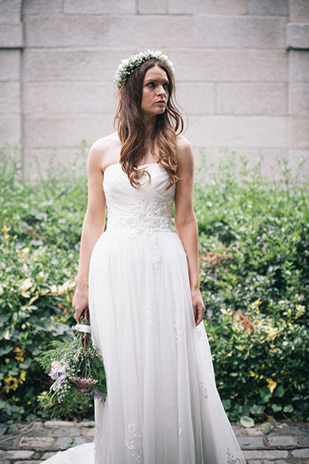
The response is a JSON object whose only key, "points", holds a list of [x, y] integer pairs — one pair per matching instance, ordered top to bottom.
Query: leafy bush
{"points": [[254, 271], [254, 278]]}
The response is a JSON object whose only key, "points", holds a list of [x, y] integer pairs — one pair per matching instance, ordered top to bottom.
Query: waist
{"points": [[139, 224]]}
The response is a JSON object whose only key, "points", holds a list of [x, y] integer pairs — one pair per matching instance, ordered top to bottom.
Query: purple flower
{"points": [[57, 373], [97, 394]]}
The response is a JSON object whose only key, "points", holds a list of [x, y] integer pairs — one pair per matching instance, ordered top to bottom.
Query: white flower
{"points": [[127, 65]]}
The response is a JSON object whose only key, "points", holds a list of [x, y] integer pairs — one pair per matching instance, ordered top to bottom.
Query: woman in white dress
{"points": [[146, 309]]}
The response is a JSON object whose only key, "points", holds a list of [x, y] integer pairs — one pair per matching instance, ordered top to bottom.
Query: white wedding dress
{"points": [[162, 404]]}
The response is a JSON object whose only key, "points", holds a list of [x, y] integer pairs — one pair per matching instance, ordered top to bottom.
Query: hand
{"points": [[80, 301], [198, 306]]}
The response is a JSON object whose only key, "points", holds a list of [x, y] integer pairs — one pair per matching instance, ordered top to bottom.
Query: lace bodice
{"points": [[132, 210]]}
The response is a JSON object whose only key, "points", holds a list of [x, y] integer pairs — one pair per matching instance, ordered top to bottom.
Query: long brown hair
{"points": [[129, 124]]}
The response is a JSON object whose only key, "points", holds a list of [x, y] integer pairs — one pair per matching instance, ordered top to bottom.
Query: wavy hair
{"points": [[129, 124]]}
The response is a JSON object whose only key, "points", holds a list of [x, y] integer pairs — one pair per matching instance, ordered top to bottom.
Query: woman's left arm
{"points": [[186, 222]]}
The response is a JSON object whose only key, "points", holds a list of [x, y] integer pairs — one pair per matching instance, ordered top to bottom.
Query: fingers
{"points": [[199, 313]]}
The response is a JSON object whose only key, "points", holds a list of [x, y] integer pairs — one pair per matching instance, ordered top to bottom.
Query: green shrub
{"points": [[254, 237], [254, 266]]}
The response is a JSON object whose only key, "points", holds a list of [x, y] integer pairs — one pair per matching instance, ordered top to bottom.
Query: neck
{"points": [[150, 124]]}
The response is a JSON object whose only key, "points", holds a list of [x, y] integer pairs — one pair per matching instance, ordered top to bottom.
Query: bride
{"points": [[146, 309]]}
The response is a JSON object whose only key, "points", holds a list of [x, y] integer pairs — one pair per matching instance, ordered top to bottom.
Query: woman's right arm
{"points": [[93, 226]]}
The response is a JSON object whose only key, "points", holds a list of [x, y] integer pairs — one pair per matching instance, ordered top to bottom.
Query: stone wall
{"points": [[242, 71]]}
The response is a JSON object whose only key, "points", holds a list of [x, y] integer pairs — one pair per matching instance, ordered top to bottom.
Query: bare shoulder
{"points": [[102, 151], [184, 152]]}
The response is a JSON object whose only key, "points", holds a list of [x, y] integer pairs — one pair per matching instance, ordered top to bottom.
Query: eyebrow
{"points": [[155, 80]]}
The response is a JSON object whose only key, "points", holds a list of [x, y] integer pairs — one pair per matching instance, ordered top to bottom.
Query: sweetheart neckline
{"points": [[139, 166]]}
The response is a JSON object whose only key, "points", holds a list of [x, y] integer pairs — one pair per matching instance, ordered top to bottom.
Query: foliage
{"points": [[253, 236], [254, 280], [78, 376]]}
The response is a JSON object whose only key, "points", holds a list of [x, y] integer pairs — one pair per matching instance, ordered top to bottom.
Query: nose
{"points": [[161, 90]]}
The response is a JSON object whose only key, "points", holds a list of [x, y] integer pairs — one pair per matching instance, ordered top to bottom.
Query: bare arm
{"points": [[186, 223], [93, 226]]}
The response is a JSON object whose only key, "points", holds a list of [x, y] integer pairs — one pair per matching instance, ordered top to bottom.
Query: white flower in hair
{"points": [[128, 65]]}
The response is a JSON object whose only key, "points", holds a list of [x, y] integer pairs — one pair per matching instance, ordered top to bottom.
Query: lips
{"points": [[160, 101]]}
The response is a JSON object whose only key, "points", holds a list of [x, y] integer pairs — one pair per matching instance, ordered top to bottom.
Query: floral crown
{"points": [[128, 65]]}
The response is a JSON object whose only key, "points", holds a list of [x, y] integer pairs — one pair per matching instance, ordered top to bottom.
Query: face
{"points": [[155, 89]]}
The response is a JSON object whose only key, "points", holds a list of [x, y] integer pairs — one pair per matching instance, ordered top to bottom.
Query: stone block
{"points": [[181, 6], [42, 7], [99, 7], [150, 7], [222, 7], [268, 8], [10, 11], [299, 11], [66, 31], [109, 31], [240, 32], [11, 35], [298, 36], [9, 65], [70, 65], [230, 65], [299, 66], [9, 98], [69, 98], [251, 98], [196, 99], [299, 99], [10, 129], [63, 131], [240, 131], [298, 132], [49, 159], [269, 163], [299, 164], [59, 423], [57, 432], [89, 433], [282, 441], [251, 442], [37, 443], [63, 443], [301, 453], [16, 454], [266, 454], [48, 455], [280, 461]]}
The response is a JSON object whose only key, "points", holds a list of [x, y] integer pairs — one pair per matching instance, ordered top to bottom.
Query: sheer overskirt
{"points": [[162, 405]]}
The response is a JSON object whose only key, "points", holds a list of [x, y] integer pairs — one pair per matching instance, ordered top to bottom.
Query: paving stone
{"points": [[87, 423], [51, 424], [291, 431], [64, 432], [253, 432], [89, 433], [282, 441], [304, 441], [251, 442], [37, 443], [63, 443], [9, 444], [301, 453], [16, 454], [266, 454], [47, 455], [27, 462], [267, 462]]}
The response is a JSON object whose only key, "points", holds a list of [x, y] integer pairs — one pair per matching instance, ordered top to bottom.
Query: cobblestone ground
{"points": [[32, 443]]}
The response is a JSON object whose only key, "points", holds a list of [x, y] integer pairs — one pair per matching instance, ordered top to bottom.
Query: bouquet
{"points": [[77, 370]]}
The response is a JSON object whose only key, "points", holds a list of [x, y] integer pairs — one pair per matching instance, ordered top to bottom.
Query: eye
{"points": [[150, 84], [167, 86]]}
